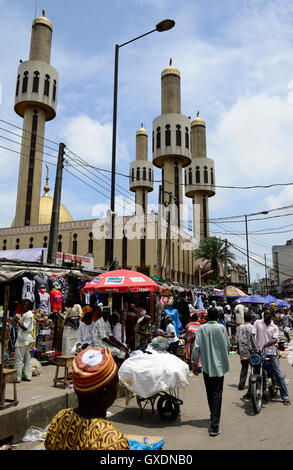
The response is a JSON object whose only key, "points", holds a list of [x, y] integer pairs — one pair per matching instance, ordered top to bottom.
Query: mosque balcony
{"points": [[37, 85], [171, 138], [141, 175], [199, 176]]}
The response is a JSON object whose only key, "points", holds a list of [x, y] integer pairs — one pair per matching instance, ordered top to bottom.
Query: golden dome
{"points": [[43, 20], [170, 70], [198, 121], [141, 131], [46, 206]]}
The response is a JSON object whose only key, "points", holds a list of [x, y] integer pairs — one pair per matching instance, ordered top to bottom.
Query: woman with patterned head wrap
{"points": [[95, 381]]}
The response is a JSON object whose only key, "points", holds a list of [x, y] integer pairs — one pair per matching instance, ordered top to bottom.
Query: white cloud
{"points": [[284, 198]]}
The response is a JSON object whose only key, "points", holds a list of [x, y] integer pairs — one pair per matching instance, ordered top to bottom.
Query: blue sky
{"points": [[236, 64]]}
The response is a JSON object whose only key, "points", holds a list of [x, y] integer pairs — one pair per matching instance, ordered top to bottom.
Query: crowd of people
{"points": [[104, 341]]}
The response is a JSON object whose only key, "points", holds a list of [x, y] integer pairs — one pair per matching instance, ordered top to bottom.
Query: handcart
{"points": [[168, 404]]}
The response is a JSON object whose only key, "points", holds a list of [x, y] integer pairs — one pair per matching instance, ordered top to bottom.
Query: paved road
{"points": [[241, 428]]}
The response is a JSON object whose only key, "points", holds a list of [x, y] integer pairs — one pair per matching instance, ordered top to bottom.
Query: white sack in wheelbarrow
{"points": [[148, 374]]}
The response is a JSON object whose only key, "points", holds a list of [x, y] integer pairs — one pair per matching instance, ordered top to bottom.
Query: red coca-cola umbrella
{"points": [[121, 280]]}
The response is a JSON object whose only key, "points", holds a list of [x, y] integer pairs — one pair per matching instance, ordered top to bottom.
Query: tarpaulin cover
{"points": [[147, 374]]}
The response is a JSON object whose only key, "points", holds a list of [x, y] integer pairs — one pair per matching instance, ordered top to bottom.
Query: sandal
{"points": [[286, 402]]}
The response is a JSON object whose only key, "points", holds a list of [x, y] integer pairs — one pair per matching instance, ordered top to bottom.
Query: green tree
{"points": [[212, 249]]}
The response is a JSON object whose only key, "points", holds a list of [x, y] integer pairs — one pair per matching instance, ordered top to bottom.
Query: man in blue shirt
{"points": [[213, 345]]}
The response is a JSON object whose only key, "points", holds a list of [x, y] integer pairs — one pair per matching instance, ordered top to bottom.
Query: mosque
{"points": [[178, 150]]}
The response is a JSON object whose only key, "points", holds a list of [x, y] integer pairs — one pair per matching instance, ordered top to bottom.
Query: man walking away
{"points": [[265, 335], [213, 345], [244, 346]]}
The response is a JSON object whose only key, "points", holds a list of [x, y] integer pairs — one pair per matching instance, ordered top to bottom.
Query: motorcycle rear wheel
{"points": [[256, 394]]}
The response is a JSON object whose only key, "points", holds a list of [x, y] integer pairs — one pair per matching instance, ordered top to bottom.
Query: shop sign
{"points": [[85, 261]]}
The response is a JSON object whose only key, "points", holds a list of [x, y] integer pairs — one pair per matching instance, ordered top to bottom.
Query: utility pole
{"points": [[159, 235], [53, 237], [247, 253], [277, 271], [225, 272]]}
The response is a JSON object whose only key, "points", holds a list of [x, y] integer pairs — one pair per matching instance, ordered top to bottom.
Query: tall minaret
{"points": [[35, 101], [171, 137], [141, 179], [200, 179]]}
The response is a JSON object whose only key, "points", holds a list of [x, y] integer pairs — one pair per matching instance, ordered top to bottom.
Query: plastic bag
{"points": [[35, 434], [137, 445]]}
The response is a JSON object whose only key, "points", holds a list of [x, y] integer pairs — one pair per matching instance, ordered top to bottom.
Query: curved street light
{"points": [[162, 26]]}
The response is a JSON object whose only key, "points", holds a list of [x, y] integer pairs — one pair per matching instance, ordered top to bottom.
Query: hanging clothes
{"points": [[28, 289]]}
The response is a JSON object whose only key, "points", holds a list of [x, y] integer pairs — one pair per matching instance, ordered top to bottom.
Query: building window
{"points": [[24, 82], [36, 82], [17, 85], [47, 85], [54, 90], [168, 135], [178, 135], [158, 137], [186, 138], [153, 141], [132, 174], [137, 174], [144, 175], [150, 175], [197, 175], [205, 175], [190, 176], [212, 176], [185, 177], [45, 242], [91, 243], [17, 244], [74, 244], [4, 245], [31, 245], [59, 249], [124, 250]]}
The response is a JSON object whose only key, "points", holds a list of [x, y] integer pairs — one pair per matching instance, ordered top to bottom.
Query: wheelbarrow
{"points": [[168, 404]]}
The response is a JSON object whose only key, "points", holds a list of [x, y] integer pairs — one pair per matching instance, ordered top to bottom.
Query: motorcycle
{"points": [[262, 378]]}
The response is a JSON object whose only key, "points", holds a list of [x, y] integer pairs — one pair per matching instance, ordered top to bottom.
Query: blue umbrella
{"points": [[270, 298], [252, 299], [282, 303]]}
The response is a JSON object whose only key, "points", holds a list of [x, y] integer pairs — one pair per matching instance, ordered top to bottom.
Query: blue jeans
{"points": [[280, 377]]}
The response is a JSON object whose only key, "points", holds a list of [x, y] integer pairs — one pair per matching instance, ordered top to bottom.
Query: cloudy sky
{"points": [[236, 64]]}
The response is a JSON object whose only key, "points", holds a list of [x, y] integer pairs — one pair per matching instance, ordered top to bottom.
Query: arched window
{"points": [[24, 82], [36, 82], [17, 85], [47, 85], [54, 90], [168, 135], [178, 135], [158, 137], [186, 138], [153, 141], [132, 174], [137, 174], [185, 174], [144, 175], [150, 175], [197, 175], [205, 175], [190, 176], [212, 176], [45, 242], [31, 243], [91, 243], [17, 244], [59, 244], [74, 244], [4, 245]]}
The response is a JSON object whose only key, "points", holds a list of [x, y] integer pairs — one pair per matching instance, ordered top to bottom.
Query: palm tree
{"points": [[213, 250]]}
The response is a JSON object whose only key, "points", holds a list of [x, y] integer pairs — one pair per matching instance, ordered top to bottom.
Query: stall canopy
{"points": [[121, 280], [231, 291], [270, 298], [252, 299], [282, 303]]}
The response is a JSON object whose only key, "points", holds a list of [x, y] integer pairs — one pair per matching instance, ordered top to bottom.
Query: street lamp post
{"points": [[164, 25]]}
